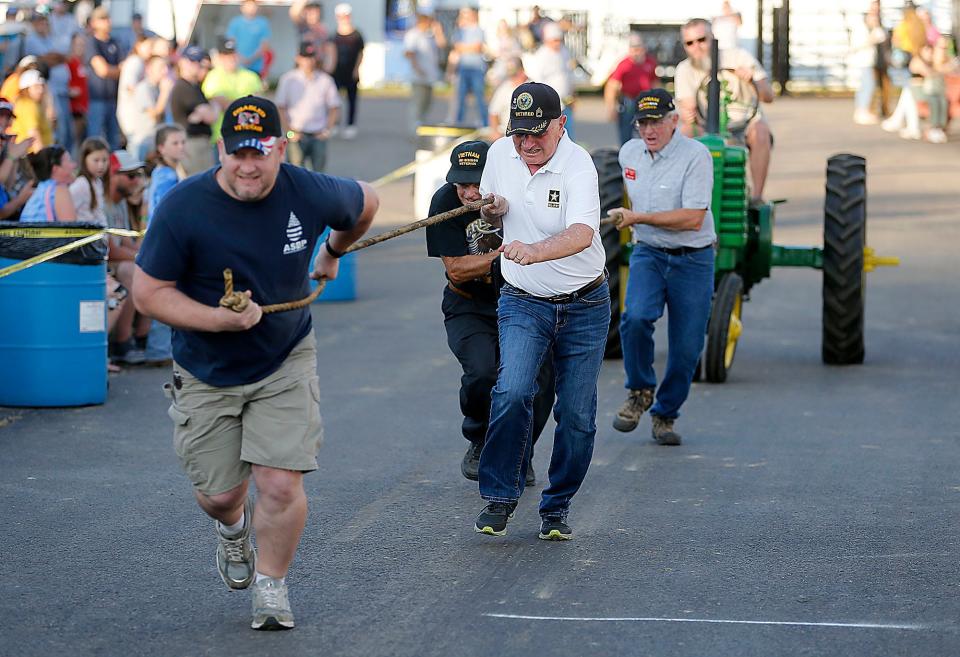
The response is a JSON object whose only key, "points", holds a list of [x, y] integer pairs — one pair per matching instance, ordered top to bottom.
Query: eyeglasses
{"points": [[702, 39]]}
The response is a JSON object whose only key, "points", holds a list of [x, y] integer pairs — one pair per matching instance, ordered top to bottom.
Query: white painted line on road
{"points": [[632, 619]]}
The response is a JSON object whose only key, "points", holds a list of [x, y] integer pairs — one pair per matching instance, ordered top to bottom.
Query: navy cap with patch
{"points": [[653, 104], [532, 107], [251, 122], [466, 162]]}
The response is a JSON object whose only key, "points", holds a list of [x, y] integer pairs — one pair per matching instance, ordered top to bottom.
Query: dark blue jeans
{"points": [[471, 81], [102, 122], [306, 148], [684, 284], [530, 329]]}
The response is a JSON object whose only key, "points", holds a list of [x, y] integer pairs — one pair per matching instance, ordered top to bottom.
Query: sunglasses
{"points": [[702, 39], [133, 175]]}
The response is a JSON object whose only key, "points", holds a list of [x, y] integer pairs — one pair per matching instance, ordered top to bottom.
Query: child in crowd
{"points": [[78, 90], [30, 116], [171, 147], [54, 170], [87, 189]]}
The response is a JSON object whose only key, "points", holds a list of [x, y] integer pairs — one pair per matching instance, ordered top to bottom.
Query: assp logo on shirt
{"points": [[553, 198], [295, 242]]}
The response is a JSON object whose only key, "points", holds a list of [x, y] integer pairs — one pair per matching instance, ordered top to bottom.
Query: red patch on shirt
{"points": [[630, 174]]}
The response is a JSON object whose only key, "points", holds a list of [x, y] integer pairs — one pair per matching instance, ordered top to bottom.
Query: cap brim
{"points": [[640, 116], [522, 127], [234, 144], [464, 177]]}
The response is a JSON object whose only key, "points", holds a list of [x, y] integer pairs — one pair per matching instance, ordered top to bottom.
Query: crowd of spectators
{"points": [[914, 57], [98, 125]]}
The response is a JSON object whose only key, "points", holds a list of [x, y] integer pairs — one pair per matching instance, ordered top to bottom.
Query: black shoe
{"points": [[470, 465], [531, 479], [493, 519], [555, 529]]}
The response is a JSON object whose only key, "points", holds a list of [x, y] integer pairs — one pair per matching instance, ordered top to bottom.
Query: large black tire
{"points": [[611, 196], [844, 280], [723, 330]]}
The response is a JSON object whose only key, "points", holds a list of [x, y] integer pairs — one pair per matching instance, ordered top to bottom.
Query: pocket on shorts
{"points": [[181, 422]]}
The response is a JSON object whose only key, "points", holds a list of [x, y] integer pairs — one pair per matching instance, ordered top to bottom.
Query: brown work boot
{"points": [[629, 414], [663, 432]]}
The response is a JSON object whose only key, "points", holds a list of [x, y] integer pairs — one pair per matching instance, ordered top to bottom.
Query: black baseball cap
{"points": [[227, 46], [307, 49], [654, 104], [532, 107], [251, 122], [466, 162]]}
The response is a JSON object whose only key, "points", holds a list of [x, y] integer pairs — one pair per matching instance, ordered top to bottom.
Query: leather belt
{"points": [[680, 250], [576, 294]]}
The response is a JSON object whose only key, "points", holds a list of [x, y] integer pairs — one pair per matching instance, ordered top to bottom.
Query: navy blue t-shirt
{"points": [[198, 231]]}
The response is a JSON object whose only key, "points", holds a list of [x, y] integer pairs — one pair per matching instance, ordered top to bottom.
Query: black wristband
{"points": [[332, 251]]}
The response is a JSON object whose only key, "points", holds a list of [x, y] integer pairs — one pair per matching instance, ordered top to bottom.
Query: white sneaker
{"points": [[865, 117], [891, 125], [350, 132], [913, 135], [936, 136]]}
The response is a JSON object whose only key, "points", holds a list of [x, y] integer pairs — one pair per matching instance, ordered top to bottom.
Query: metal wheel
{"points": [[844, 279], [724, 328]]}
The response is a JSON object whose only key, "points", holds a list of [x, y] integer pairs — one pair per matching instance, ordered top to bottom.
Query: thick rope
{"points": [[238, 302]]}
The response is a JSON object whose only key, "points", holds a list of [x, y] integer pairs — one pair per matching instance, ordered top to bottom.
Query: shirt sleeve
{"points": [[232, 28], [264, 30], [619, 72], [685, 82], [281, 96], [333, 97], [698, 181], [80, 193], [341, 198], [582, 199], [161, 254]]}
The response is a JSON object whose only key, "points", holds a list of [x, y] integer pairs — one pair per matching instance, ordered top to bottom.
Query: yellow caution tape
{"points": [[409, 168], [92, 235]]}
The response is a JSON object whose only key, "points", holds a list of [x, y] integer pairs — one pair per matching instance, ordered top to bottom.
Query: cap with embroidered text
{"points": [[653, 104], [532, 107], [251, 122], [466, 162]]}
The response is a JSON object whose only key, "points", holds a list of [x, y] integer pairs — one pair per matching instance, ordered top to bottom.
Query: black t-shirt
{"points": [[349, 47], [102, 88], [184, 98], [198, 231], [467, 234]]}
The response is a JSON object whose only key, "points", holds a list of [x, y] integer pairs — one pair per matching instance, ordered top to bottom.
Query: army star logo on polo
{"points": [[524, 101], [553, 198]]}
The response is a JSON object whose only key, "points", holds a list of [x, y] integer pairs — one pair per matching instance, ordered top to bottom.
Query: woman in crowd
{"points": [[54, 170]]}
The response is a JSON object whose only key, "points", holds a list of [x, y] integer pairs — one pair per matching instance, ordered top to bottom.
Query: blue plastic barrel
{"points": [[344, 286], [53, 340]]}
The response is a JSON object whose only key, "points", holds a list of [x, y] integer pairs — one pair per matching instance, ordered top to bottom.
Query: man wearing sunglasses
{"points": [[749, 86], [669, 179]]}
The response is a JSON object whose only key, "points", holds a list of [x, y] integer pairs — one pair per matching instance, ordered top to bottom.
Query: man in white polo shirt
{"points": [[555, 299]]}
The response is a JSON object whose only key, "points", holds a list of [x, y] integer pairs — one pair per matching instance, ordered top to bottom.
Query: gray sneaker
{"points": [[637, 403], [663, 432], [236, 557], [271, 606]]}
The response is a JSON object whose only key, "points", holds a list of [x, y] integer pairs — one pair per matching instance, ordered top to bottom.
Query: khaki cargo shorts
{"points": [[220, 432]]}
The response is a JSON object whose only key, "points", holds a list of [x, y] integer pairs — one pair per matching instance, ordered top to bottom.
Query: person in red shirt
{"points": [[635, 73], [79, 93]]}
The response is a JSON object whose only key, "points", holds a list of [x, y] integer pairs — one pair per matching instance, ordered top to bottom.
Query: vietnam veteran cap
{"points": [[653, 104], [251, 122], [466, 162]]}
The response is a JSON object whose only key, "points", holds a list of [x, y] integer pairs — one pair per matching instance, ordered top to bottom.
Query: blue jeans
{"points": [[471, 81], [868, 83], [625, 116], [102, 122], [568, 126], [64, 135], [308, 148], [684, 284], [530, 329], [158, 342]]}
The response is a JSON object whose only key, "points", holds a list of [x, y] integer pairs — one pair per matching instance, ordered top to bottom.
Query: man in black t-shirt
{"points": [[103, 59], [346, 72], [192, 110], [469, 247], [245, 388]]}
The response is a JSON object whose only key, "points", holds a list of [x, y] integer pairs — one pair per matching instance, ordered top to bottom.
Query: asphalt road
{"points": [[812, 510]]}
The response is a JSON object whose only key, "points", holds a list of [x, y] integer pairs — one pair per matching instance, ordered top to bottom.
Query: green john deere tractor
{"points": [[746, 252]]}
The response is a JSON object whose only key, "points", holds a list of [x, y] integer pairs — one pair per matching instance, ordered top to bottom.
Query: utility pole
{"points": [[760, 30]]}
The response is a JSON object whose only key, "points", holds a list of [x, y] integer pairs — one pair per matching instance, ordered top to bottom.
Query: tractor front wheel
{"points": [[607, 162], [844, 237], [724, 328]]}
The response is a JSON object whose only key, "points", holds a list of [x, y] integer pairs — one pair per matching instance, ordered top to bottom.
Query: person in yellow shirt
{"points": [[910, 34], [228, 81], [31, 117]]}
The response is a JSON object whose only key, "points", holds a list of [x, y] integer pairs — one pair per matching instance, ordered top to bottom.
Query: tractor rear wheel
{"points": [[611, 196], [844, 237], [724, 328]]}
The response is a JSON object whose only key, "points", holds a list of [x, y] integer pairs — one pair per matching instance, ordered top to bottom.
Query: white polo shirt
{"points": [[563, 192]]}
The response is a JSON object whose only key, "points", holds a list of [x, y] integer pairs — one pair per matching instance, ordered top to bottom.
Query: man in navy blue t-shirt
{"points": [[245, 388]]}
